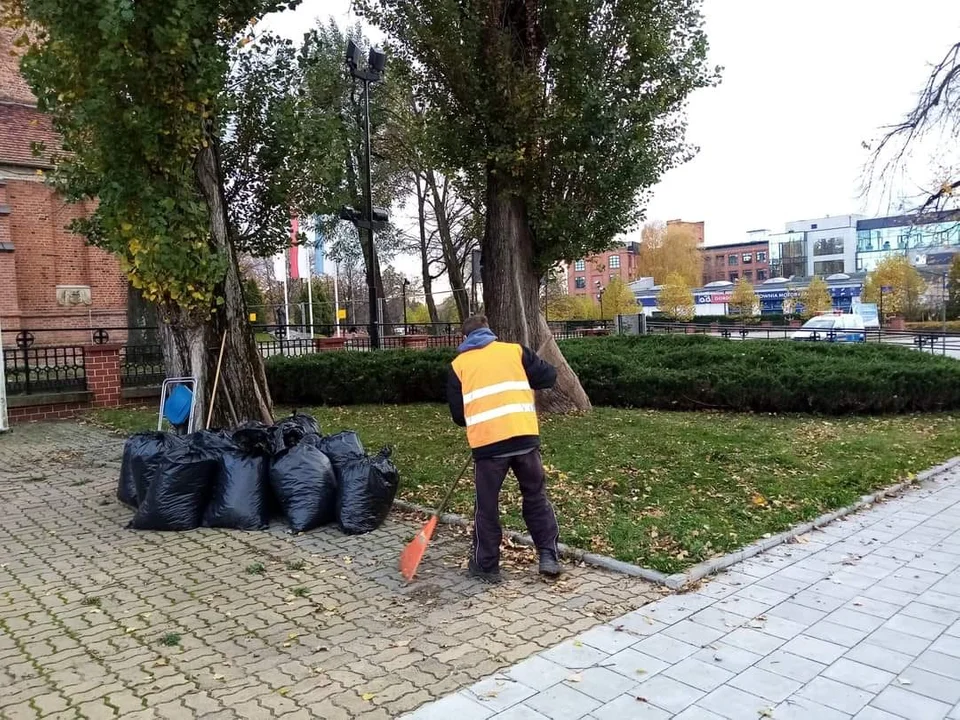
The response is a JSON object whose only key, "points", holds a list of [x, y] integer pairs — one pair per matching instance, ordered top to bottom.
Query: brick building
{"points": [[749, 260], [585, 276], [49, 277]]}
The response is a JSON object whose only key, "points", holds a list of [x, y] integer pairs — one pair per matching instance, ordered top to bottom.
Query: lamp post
{"points": [[376, 62], [403, 290], [600, 291]]}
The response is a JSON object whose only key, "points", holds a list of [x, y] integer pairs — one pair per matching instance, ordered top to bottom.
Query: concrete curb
{"points": [[680, 581]]}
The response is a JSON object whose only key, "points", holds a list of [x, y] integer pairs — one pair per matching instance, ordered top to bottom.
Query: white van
{"points": [[833, 328]]}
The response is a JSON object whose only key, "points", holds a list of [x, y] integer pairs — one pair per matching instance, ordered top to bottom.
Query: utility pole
{"points": [[376, 62]]}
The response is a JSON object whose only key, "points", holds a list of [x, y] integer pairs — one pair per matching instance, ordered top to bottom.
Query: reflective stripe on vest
{"points": [[498, 403]]}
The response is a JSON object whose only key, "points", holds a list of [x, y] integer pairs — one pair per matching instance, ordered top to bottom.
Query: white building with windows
{"points": [[821, 246]]}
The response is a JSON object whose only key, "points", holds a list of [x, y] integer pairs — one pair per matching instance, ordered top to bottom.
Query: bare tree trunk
{"points": [[424, 252], [450, 259], [511, 294], [191, 343]]}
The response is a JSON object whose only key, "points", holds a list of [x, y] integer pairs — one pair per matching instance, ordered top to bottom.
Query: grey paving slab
{"points": [[99, 621], [860, 622], [906, 704]]}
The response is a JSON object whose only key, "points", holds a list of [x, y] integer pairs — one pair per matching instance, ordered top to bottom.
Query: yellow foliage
{"points": [[666, 250], [904, 285], [816, 298], [618, 299], [676, 299], [744, 300]]}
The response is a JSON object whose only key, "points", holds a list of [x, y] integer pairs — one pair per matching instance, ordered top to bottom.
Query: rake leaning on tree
{"points": [[491, 393]]}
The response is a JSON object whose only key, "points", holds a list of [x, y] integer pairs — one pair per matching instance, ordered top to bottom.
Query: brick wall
{"points": [[33, 221], [46, 255], [102, 370]]}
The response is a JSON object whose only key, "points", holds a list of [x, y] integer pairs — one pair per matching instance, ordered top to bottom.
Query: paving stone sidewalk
{"points": [[859, 620], [259, 625]]}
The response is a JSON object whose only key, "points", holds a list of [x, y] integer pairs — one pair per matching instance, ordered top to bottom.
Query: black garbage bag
{"points": [[290, 431], [254, 438], [342, 447], [140, 455], [305, 484], [367, 489], [178, 490], [240, 498]]}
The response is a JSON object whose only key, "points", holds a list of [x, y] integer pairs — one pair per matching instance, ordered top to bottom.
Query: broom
{"points": [[413, 553]]}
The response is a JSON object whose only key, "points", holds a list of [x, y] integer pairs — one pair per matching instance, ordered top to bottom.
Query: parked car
{"points": [[833, 328]]}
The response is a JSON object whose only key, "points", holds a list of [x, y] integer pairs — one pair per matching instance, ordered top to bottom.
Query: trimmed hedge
{"points": [[684, 372]]}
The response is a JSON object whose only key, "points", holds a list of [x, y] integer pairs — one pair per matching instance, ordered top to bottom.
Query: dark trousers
{"points": [[537, 512]]}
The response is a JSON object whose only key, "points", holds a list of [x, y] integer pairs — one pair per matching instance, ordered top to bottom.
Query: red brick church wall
{"points": [[37, 253]]}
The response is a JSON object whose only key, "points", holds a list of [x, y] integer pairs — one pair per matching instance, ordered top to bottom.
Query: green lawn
{"points": [[663, 490]]}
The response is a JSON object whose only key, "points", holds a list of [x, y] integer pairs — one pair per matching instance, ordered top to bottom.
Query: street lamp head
{"points": [[354, 55], [377, 60], [348, 213], [380, 215], [406, 282]]}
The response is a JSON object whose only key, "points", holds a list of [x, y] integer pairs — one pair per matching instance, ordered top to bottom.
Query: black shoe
{"points": [[549, 564], [488, 576]]}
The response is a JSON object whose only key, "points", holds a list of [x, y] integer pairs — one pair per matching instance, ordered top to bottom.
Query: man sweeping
{"points": [[491, 393]]}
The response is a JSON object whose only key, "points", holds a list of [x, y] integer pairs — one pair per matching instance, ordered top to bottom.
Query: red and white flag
{"points": [[299, 259]]}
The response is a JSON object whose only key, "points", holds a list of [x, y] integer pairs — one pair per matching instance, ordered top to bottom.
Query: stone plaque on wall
{"points": [[73, 295]]}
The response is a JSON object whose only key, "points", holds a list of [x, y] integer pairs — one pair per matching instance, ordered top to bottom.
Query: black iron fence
{"points": [[926, 340], [141, 366], [29, 371]]}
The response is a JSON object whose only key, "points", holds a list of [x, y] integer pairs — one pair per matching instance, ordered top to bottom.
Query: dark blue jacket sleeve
{"points": [[540, 374], [455, 399]]}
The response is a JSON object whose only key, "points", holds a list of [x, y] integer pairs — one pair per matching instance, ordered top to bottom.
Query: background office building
{"points": [[929, 240], [822, 246], [729, 263]]}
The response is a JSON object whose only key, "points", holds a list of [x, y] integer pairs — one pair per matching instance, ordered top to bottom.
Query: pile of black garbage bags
{"points": [[243, 478]]}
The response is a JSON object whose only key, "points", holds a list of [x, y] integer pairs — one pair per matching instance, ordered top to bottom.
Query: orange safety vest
{"points": [[498, 403]]}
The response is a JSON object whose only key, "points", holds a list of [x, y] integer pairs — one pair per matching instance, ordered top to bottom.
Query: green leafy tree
{"points": [[138, 94], [565, 112], [330, 117], [676, 298], [815, 298], [744, 300], [323, 305]]}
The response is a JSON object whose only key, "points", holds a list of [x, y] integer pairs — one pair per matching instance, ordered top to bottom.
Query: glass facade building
{"points": [[908, 235], [788, 254]]}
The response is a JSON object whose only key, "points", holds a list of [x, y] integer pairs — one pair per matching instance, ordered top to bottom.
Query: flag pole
{"points": [[310, 291], [336, 295], [286, 300]]}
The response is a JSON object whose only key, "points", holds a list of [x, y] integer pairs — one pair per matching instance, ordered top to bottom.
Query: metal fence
{"points": [[927, 341], [52, 359], [141, 366], [30, 371]]}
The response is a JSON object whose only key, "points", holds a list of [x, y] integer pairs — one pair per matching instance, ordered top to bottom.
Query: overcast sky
{"points": [[804, 85]]}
